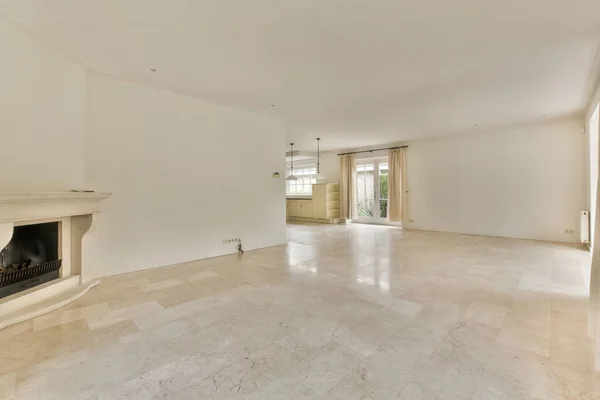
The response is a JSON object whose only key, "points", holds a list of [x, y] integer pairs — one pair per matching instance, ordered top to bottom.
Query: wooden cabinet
{"points": [[326, 201], [324, 205], [296, 208], [299, 208], [307, 208], [319, 209]]}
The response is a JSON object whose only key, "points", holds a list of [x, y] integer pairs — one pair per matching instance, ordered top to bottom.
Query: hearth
{"points": [[30, 258]]}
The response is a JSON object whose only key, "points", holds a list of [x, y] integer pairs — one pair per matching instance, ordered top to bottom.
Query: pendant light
{"points": [[319, 175], [292, 177]]}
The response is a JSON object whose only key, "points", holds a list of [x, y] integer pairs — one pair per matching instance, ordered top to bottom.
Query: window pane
{"points": [[370, 181], [383, 181], [360, 183], [303, 185], [365, 190], [383, 205]]}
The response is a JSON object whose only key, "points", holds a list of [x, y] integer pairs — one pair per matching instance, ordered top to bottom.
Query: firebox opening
{"points": [[30, 258]]}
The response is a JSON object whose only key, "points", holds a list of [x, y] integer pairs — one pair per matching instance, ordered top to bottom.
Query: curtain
{"points": [[397, 185], [347, 186], [594, 300]]}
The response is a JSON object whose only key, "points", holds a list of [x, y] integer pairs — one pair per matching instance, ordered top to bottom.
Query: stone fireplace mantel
{"points": [[23, 207], [74, 213]]}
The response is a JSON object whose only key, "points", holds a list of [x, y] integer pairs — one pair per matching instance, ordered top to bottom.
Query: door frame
{"points": [[376, 219]]}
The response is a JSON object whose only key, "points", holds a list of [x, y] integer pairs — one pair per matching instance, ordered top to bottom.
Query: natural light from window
{"points": [[306, 178], [372, 189]]}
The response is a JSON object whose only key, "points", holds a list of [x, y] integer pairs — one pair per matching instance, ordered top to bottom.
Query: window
{"points": [[306, 178], [372, 188], [365, 189], [383, 189]]}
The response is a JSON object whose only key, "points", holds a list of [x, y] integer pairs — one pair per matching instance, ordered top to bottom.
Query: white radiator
{"points": [[585, 227]]}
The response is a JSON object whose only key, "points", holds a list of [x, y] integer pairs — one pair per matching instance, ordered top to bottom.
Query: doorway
{"points": [[372, 190]]}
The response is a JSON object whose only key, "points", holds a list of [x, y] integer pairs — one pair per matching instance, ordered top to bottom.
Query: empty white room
{"points": [[384, 199]]}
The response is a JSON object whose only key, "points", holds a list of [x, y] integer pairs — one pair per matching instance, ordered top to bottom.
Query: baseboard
{"points": [[314, 220]]}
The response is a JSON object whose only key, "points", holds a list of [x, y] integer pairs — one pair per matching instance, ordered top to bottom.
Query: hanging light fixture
{"points": [[319, 175], [292, 177]]}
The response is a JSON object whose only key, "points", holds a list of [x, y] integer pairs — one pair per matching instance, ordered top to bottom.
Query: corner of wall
{"points": [[44, 104]]}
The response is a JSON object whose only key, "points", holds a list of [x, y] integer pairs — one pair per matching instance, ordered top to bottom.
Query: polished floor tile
{"points": [[340, 312]]}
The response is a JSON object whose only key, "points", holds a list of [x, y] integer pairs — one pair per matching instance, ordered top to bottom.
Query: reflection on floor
{"points": [[342, 312]]}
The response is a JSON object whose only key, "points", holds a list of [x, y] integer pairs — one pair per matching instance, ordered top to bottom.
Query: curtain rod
{"points": [[370, 151]]}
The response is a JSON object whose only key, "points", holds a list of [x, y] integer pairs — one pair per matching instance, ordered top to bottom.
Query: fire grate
{"points": [[16, 276], [25, 278]]}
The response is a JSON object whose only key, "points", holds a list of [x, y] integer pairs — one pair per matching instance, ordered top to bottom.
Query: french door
{"points": [[372, 190]]}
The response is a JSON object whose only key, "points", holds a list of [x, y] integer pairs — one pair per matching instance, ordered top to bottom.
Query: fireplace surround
{"points": [[72, 212]]}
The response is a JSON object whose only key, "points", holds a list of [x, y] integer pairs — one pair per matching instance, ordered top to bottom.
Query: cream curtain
{"points": [[397, 185], [347, 186], [594, 306]]}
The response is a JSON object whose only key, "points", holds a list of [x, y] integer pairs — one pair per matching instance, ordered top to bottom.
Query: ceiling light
{"points": [[319, 175], [292, 177]]}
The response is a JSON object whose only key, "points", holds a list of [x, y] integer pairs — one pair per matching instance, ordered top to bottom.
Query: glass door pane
{"points": [[365, 189], [383, 189]]}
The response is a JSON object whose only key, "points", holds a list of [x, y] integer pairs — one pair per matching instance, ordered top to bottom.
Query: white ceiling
{"points": [[355, 72]]}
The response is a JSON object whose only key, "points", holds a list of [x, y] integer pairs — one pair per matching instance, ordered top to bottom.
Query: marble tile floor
{"points": [[341, 312]]}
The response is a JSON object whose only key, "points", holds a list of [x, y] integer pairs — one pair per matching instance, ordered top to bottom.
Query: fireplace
{"points": [[30, 259], [41, 260]]}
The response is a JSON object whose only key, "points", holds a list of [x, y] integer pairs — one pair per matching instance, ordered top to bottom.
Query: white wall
{"points": [[42, 102], [330, 167], [185, 173], [523, 183]]}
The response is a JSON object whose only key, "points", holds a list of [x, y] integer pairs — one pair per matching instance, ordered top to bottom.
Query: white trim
{"points": [[372, 158], [53, 197], [34, 206], [375, 221]]}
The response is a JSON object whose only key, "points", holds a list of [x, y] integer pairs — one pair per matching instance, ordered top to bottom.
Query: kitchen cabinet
{"points": [[323, 207]]}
